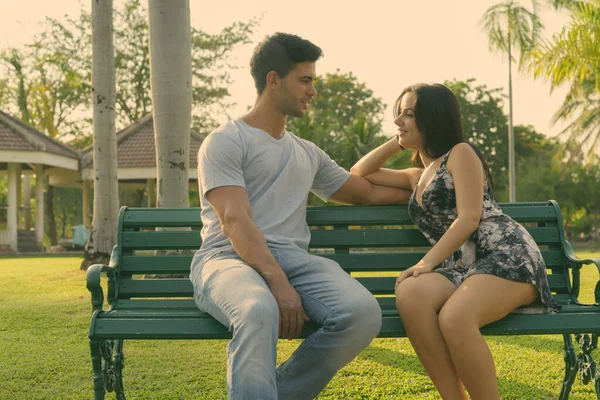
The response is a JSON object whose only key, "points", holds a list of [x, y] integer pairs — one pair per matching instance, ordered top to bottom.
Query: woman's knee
{"points": [[410, 298], [456, 324]]}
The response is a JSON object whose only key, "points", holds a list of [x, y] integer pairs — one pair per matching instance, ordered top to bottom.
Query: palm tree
{"points": [[510, 26], [574, 55], [171, 86], [582, 107], [106, 200]]}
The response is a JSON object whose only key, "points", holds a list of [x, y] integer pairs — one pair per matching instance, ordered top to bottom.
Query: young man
{"points": [[253, 272]]}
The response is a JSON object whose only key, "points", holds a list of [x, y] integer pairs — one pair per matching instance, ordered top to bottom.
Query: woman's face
{"points": [[408, 133]]}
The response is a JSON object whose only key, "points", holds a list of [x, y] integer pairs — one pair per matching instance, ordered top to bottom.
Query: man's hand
{"points": [[291, 313]]}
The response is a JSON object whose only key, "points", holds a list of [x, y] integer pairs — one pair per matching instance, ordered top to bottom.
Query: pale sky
{"points": [[386, 44]]}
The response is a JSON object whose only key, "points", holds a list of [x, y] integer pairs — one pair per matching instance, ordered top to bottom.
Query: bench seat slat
{"points": [[188, 309], [202, 326]]}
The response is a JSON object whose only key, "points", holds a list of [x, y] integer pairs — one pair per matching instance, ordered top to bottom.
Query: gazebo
{"points": [[25, 151], [136, 161]]}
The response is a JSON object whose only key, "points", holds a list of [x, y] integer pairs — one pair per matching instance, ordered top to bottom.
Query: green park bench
{"points": [[373, 243]]}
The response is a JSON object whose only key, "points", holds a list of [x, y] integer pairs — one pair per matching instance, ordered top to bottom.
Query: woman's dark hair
{"points": [[280, 52], [438, 118]]}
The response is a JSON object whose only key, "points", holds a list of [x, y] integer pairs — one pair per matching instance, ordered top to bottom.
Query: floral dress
{"points": [[500, 246]]}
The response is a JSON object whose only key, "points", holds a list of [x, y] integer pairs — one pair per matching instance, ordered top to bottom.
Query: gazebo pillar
{"points": [[40, 181], [151, 190], [27, 201], [86, 204], [12, 205]]}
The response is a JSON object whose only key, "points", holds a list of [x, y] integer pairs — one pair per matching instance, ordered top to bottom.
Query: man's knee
{"points": [[259, 312], [362, 314]]}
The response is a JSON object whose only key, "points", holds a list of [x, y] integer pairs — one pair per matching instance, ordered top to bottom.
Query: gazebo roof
{"points": [[19, 136], [136, 147]]}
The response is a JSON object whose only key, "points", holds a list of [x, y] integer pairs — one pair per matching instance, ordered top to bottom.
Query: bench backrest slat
{"points": [[168, 240], [353, 262]]}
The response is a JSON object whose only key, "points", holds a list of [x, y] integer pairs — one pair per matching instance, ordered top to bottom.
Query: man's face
{"points": [[296, 90]]}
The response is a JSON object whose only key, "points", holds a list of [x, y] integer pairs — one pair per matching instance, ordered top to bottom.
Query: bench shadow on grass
{"points": [[550, 343], [410, 363]]}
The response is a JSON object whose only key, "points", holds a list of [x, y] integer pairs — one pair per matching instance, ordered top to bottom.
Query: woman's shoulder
{"points": [[462, 148], [461, 152], [462, 156], [413, 175]]}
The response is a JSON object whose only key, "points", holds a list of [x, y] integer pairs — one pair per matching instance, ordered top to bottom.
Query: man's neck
{"points": [[267, 118]]}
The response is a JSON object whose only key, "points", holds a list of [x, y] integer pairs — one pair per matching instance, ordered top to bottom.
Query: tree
{"points": [[510, 25], [63, 53], [573, 56], [48, 82], [171, 82], [39, 88], [344, 119], [484, 124], [540, 171], [581, 180], [67, 205], [106, 207]]}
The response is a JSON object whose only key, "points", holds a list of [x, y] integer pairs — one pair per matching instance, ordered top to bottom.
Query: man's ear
{"points": [[273, 79]]}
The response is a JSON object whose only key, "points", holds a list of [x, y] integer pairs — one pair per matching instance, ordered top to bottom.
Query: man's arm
{"points": [[358, 190], [233, 209]]}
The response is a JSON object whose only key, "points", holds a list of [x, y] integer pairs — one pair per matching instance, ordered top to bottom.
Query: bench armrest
{"points": [[570, 254], [93, 280]]}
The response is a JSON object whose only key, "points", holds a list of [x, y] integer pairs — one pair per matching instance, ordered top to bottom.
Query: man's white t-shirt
{"points": [[277, 176]]}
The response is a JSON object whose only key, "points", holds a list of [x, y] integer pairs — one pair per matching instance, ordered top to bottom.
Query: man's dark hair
{"points": [[279, 53], [438, 118]]}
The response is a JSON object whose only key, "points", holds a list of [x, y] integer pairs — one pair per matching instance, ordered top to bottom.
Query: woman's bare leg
{"points": [[480, 300], [418, 301]]}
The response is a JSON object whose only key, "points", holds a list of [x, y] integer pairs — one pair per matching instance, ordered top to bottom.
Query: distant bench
{"points": [[372, 242]]}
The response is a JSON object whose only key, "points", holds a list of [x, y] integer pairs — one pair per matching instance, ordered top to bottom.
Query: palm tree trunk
{"points": [[171, 85], [512, 187], [106, 199]]}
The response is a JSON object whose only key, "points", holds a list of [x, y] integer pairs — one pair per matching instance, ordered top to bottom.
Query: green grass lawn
{"points": [[44, 353]]}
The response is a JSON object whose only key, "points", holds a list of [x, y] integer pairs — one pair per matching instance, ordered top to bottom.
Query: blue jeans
{"points": [[237, 296]]}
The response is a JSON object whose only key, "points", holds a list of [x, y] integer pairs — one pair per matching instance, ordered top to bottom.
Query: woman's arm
{"points": [[369, 167], [468, 175]]}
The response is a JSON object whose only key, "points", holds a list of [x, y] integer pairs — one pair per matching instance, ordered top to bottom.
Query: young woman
{"points": [[482, 264]]}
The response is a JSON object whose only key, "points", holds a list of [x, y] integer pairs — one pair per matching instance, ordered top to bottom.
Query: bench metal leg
{"points": [[119, 363], [582, 363], [97, 365], [112, 366], [570, 368], [588, 370]]}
